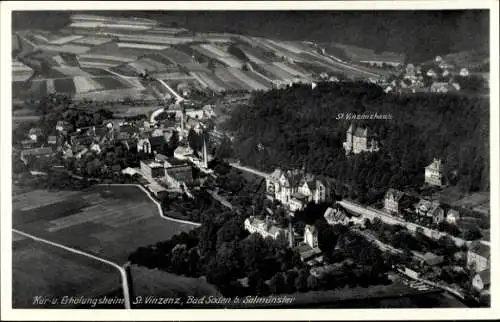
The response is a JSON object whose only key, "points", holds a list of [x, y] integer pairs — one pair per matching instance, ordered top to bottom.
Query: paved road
{"points": [[248, 169], [372, 213]]}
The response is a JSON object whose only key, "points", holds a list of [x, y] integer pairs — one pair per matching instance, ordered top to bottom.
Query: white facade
{"points": [[144, 145], [434, 173], [264, 228], [311, 236]]}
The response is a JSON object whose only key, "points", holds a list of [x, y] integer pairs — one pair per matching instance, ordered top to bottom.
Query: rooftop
{"points": [[152, 164], [480, 249]]}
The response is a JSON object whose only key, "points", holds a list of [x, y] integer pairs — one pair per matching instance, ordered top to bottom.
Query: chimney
{"points": [[130, 283]]}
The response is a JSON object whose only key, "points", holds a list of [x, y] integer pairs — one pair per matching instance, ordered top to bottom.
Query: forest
{"points": [[298, 126]]}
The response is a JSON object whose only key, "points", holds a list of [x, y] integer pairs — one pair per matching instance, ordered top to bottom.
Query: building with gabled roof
{"points": [[360, 139], [434, 173], [396, 201], [430, 210], [336, 215], [265, 228], [478, 256], [482, 280]]}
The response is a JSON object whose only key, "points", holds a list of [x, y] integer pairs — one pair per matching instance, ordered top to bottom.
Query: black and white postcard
{"points": [[235, 160]]}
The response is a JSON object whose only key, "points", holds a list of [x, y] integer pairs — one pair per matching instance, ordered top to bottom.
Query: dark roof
{"points": [[129, 129], [101, 130], [157, 140], [480, 249]]}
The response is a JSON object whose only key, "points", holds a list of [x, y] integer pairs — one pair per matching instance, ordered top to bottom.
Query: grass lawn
{"points": [[107, 221], [43, 270]]}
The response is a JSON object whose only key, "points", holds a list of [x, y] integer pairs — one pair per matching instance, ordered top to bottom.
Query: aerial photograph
{"points": [[250, 159]]}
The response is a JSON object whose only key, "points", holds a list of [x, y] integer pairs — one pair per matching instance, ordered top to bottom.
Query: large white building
{"points": [[360, 139], [434, 173]]}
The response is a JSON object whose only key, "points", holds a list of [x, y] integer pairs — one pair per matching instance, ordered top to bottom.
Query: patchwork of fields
{"points": [[217, 62]]}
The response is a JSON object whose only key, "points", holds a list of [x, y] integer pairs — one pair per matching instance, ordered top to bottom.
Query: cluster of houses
{"points": [[438, 77], [146, 137], [296, 188]]}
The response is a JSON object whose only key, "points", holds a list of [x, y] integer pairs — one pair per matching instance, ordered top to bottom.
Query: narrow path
{"points": [[125, 286]]}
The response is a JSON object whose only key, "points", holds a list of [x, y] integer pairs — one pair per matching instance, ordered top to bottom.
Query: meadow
{"points": [[106, 221]]}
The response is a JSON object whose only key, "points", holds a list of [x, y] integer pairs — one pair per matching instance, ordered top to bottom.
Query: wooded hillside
{"points": [[298, 126]]}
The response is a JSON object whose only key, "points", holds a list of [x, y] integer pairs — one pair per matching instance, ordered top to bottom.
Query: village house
{"points": [[464, 72], [431, 73], [443, 87], [195, 114], [63, 126], [35, 133], [360, 139], [52, 140], [144, 145], [183, 152], [36, 153], [152, 169], [434, 173], [396, 201], [430, 211], [336, 216], [452, 217], [265, 228], [309, 251], [478, 256], [432, 259], [481, 280]]}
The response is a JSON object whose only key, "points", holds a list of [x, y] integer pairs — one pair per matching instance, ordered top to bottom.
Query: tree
{"points": [[195, 140], [173, 143], [225, 149], [472, 233], [290, 277], [301, 281], [312, 283], [277, 284]]}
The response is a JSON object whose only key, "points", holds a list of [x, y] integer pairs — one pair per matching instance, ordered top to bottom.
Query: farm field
{"points": [[91, 41], [68, 48], [215, 53], [364, 54], [176, 56], [97, 72], [247, 78], [210, 81], [231, 81], [65, 85], [35, 89], [110, 221], [43, 270]]}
